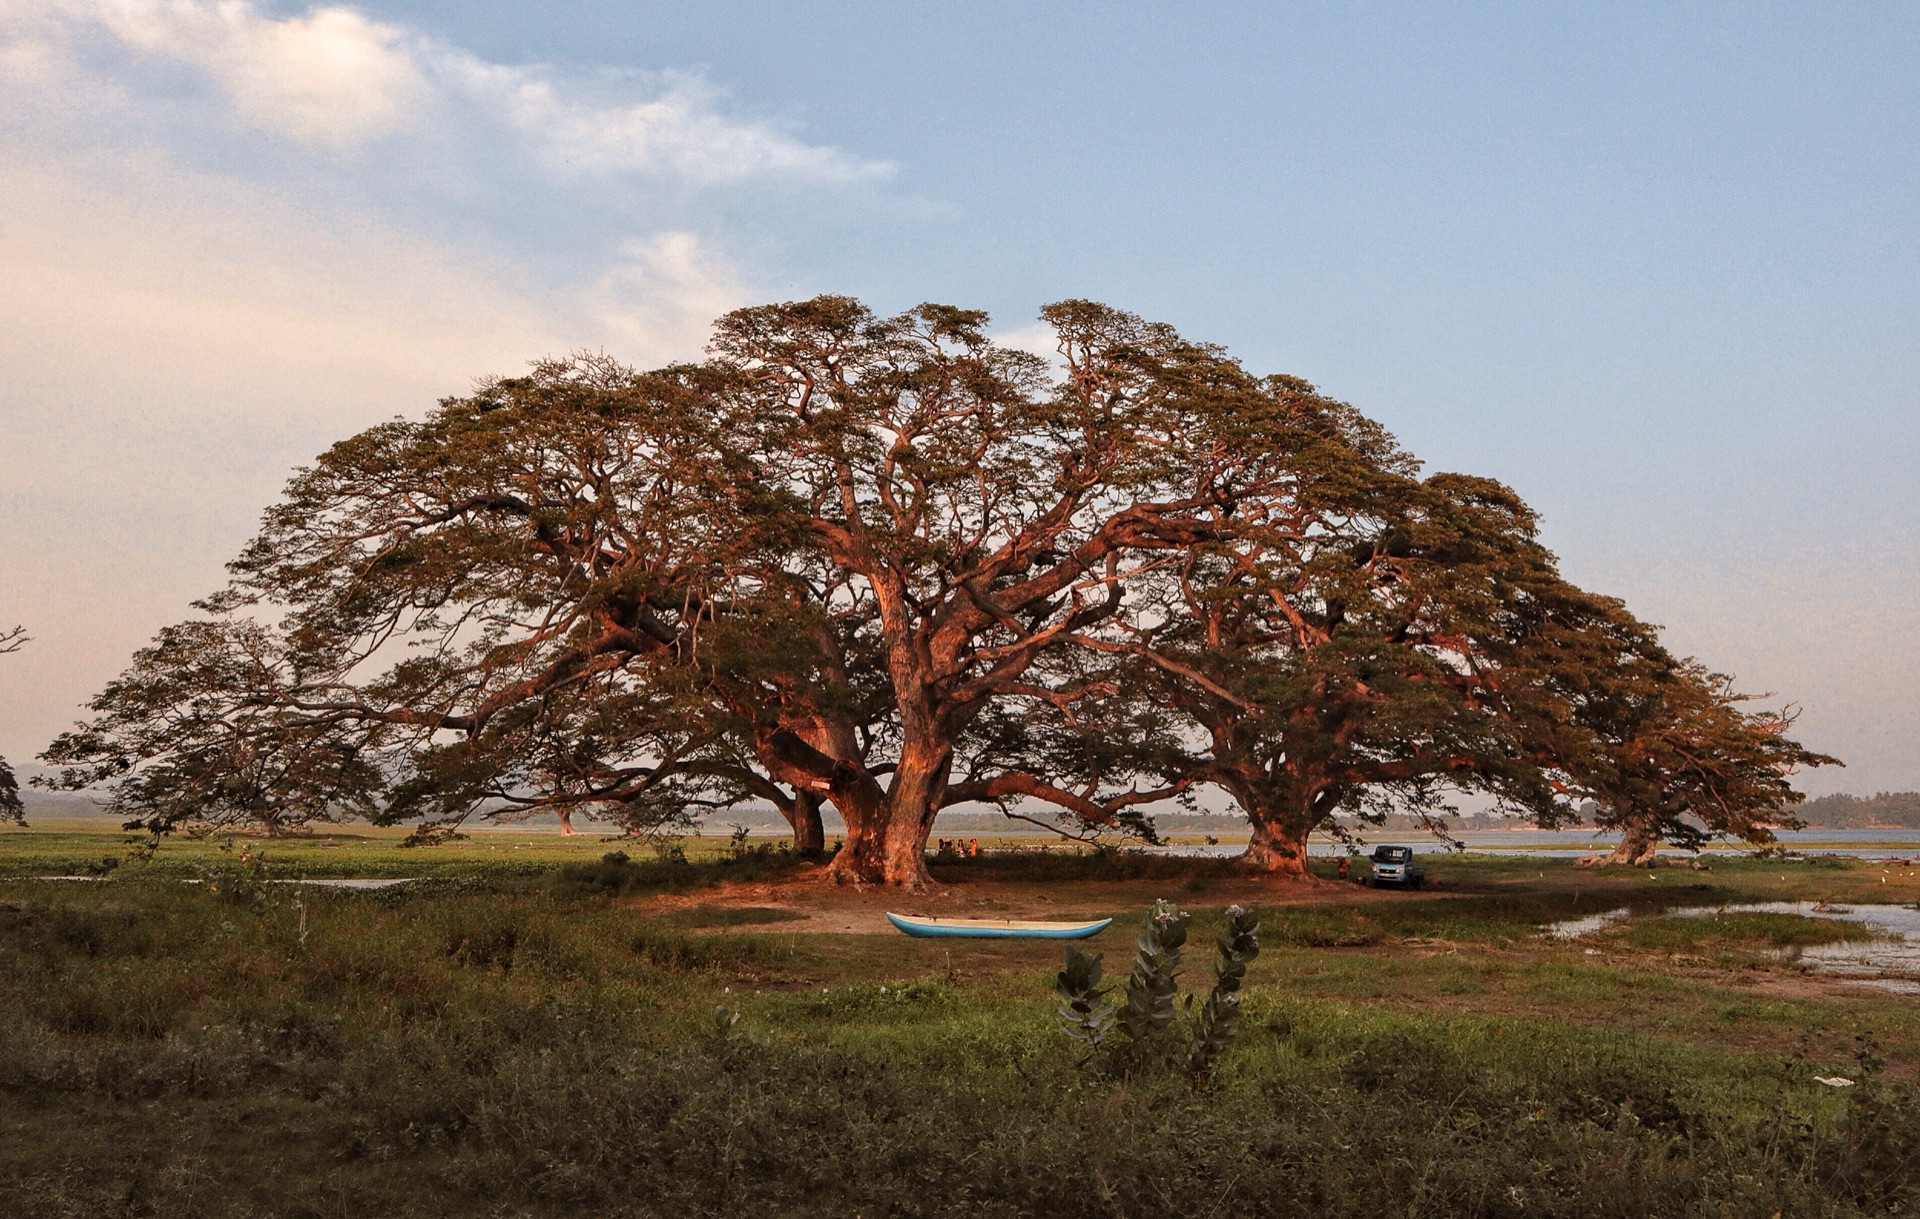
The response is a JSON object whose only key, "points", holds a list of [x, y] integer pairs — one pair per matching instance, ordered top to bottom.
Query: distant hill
{"points": [[39, 803], [1885, 809]]}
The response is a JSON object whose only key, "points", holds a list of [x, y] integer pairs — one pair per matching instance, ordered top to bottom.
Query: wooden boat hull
{"points": [[995, 928]]}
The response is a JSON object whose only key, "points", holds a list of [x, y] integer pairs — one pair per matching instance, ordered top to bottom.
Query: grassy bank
{"points": [[538, 1032]]}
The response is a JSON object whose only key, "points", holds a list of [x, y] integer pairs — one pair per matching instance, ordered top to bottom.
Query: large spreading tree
{"points": [[979, 518], [876, 563], [1408, 641], [1352, 649], [1669, 752]]}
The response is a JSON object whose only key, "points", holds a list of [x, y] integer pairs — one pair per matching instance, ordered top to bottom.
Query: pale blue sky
{"points": [[1658, 268]]}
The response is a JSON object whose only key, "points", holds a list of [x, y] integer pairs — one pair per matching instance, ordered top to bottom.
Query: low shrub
{"points": [[616, 873], [738, 916], [1148, 1020]]}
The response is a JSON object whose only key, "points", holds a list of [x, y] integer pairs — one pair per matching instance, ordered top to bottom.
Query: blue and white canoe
{"points": [[995, 928]]}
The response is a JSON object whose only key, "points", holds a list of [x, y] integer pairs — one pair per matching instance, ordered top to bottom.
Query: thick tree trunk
{"points": [[826, 765], [864, 807], [1283, 813], [803, 815], [566, 824], [891, 845], [1639, 846], [1276, 850], [906, 854], [859, 859]]}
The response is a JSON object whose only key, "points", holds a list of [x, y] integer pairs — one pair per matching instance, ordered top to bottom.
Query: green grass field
{"points": [[530, 1030]]}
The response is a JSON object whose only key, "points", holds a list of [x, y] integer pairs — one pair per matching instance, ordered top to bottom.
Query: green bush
{"points": [[1148, 1018]]}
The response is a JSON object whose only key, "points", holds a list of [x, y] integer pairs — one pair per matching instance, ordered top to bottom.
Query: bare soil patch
{"points": [[982, 892]]}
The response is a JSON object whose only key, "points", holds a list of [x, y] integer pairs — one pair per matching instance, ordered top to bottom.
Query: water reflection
{"points": [[1895, 845], [1886, 957]]}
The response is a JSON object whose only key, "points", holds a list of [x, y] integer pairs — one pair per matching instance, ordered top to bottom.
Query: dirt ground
{"points": [[810, 905]]}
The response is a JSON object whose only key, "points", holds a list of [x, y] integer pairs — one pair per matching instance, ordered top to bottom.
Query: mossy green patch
{"points": [[1748, 929]]}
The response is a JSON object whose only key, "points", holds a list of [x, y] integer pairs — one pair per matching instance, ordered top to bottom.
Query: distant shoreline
{"points": [[1896, 813]]}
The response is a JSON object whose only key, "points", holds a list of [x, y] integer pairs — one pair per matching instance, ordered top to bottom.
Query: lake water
{"points": [[1560, 844]]}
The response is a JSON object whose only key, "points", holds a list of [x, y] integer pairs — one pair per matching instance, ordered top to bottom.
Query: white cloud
{"points": [[331, 78], [336, 79], [680, 130], [229, 238], [664, 295], [1036, 338], [172, 351]]}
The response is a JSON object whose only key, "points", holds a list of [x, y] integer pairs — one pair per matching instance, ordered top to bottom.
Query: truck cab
{"points": [[1395, 866]]}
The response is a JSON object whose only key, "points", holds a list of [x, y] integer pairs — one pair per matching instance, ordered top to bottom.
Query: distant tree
{"points": [[1393, 641], [1664, 749], [1674, 756], [10, 807], [1842, 811]]}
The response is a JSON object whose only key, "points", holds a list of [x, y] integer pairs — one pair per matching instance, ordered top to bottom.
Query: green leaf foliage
{"points": [[887, 565], [1149, 1018]]}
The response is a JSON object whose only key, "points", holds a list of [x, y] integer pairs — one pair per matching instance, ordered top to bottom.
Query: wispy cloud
{"points": [[332, 77], [336, 79], [680, 129], [610, 191], [229, 236], [662, 293]]}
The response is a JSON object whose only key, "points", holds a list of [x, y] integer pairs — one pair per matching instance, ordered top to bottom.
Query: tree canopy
{"points": [[889, 565], [10, 806]]}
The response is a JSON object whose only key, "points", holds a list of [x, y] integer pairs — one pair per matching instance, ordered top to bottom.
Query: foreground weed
{"points": [[238, 878], [1148, 1019], [1219, 1020]]}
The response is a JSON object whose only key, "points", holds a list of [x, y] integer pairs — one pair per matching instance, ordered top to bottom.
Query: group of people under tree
{"points": [[887, 565]]}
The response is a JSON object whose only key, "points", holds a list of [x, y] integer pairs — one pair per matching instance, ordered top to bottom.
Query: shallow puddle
{"points": [[1574, 928], [1890, 960]]}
